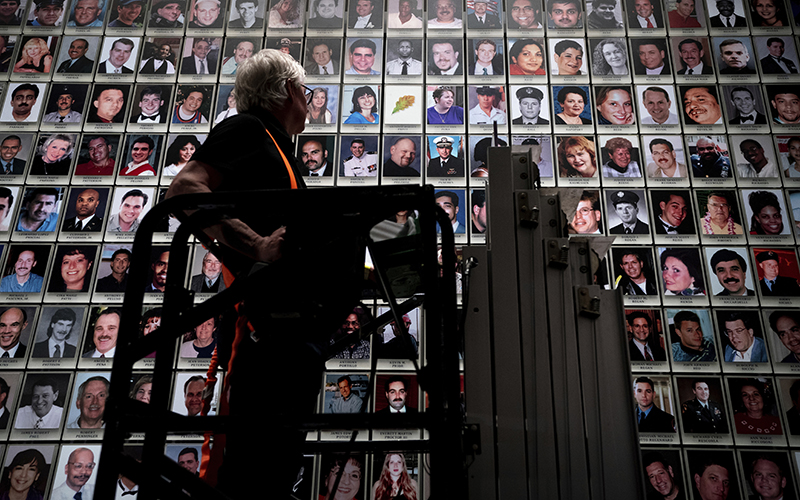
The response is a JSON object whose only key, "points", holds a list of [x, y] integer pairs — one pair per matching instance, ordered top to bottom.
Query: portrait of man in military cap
{"points": [[530, 107], [444, 164]]}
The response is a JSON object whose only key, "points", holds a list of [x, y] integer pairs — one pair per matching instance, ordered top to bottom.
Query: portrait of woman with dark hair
{"points": [[768, 13], [527, 58], [573, 103], [365, 106], [614, 106], [445, 111], [179, 153], [767, 217], [72, 269], [681, 272], [754, 407], [25, 477], [342, 481], [394, 482]]}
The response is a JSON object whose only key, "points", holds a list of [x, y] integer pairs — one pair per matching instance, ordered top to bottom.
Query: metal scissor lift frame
{"points": [[359, 208]]}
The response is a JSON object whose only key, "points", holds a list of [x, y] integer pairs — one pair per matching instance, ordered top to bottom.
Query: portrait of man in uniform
{"points": [[635, 275], [701, 414]]}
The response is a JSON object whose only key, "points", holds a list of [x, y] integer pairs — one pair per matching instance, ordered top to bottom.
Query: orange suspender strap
{"points": [[285, 162], [212, 457]]}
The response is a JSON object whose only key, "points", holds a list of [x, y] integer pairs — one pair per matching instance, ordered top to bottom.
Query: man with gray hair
{"points": [[87, 14], [251, 151]]}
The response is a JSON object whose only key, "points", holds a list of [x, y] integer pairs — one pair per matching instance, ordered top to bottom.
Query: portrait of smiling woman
{"points": [[34, 57], [527, 57], [610, 57], [573, 101], [614, 106], [365, 107], [54, 156], [577, 157], [73, 269], [681, 272], [26, 476]]}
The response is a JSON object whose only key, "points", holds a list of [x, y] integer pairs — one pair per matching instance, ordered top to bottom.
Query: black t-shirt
{"points": [[242, 151]]}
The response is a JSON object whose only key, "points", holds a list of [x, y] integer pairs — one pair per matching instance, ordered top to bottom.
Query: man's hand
{"points": [[269, 248]]}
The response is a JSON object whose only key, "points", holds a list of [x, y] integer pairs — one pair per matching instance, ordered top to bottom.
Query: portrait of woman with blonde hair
{"points": [[34, 57]]}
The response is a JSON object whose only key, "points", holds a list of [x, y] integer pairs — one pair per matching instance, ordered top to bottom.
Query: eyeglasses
{"points": [[309, 93], [80, 466]]}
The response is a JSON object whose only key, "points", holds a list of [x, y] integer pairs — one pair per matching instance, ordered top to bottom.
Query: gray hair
{"points": [[260, 80]]}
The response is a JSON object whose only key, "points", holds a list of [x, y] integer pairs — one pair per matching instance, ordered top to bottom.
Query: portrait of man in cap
{"points": [[128, 11], [47, 13], [166, 14], [205, 14], [65, 104], [530, 107], [486, 111], [445, 164], [626, 205], [772, 284]]}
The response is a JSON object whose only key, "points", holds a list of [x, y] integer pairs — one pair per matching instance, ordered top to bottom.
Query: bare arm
{"points": [[198, 177]]}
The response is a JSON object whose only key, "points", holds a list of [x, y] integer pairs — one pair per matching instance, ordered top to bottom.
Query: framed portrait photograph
{"points": [[35, 58], [159, 58], [643, 325]]}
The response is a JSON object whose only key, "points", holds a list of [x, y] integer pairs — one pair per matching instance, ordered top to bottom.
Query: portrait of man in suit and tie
{"points": [[645, 14], [482, 16], [727, 16], [119, 54], [322, 56], [650, 57], [692, 57], [203, 59], [76, 61], [775, 62], [743, 103], [10, 148], [210, 278], [60, 325], [645, 343], [399, 396], [650, 417]]}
